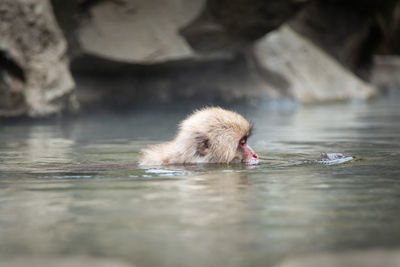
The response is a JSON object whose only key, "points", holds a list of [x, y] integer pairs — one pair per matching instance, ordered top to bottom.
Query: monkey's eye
{"points": [[243, 141]]}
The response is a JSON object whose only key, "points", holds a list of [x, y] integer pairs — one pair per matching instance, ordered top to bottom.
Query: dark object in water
{"points": [[333, 158]]}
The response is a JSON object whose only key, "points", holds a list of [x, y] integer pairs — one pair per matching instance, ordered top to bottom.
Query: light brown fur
{"points": [[209, 135]]}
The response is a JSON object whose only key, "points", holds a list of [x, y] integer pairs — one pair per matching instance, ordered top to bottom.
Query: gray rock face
{"points": [[160, 30], [139, 31], [135, 51], [284, 64], [386, 72], [312, 74], [35, 79], [116, 84]]}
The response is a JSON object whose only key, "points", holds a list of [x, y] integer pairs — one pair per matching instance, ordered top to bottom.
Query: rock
{"points": [[232, 25], [160, 30], [139, 31], [350, 31], [391, 40], [162, 51], [386, 72], [311, 74], [35, 79], [116, 84], [369, 258]]}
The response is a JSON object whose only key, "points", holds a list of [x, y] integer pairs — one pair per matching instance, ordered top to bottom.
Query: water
{"points": [[72, 187]]}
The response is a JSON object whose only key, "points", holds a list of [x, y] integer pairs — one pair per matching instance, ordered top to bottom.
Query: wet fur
{"points": [[209, 135]]}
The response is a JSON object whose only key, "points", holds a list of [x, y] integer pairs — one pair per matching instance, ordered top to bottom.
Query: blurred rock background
{"points": [[61, 56]]}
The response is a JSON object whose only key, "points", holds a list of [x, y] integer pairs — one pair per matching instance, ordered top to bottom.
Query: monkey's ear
{"points": [[202, 145]]}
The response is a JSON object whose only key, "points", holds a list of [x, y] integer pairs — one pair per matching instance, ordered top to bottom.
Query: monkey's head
{"points": [[217, 135]]}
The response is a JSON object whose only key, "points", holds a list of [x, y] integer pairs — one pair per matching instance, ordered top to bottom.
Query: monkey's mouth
{"points": [[251, 161]]}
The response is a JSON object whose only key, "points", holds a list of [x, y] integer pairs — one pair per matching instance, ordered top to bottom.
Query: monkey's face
{"points": [[215, 135], [229, 147], [246, 153]]}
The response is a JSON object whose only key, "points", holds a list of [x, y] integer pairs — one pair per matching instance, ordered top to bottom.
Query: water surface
{"points": [[72, 187]]}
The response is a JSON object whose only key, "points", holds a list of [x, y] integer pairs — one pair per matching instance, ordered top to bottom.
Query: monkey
{"points": [[209, 135]]}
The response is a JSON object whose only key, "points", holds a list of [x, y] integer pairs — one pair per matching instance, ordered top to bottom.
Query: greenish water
{"points": [[71, 187]]}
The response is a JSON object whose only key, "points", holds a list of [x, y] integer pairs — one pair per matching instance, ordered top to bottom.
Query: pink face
{"points": [[248, 154]]}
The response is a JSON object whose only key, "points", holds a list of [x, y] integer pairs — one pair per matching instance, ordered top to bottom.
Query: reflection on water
{"points": [[72, 187]]}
